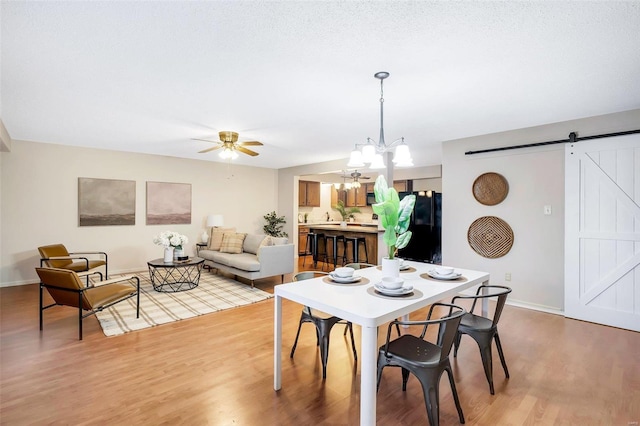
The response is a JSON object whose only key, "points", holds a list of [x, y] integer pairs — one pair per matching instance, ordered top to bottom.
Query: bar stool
{"points": [[334, 245], [311, 247], [355, 249]]}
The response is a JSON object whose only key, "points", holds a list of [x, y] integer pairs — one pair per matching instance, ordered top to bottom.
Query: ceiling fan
{"points": [[230, 145], [356, 176]]}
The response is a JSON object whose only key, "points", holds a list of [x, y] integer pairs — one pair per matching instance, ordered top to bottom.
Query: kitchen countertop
{"points": [[351, 227]]}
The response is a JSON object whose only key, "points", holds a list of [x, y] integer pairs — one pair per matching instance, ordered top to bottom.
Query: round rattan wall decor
{"points": [[490, 188], [490, 236]]}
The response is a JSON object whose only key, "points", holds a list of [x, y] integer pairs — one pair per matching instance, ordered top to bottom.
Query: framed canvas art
{"points": [[105, 202], [168, 203]]}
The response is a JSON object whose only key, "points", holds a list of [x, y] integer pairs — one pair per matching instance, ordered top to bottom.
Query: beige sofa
{"points": [[256, 256]]}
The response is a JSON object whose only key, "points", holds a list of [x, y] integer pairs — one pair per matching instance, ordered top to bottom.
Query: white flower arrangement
{"points": [[170, 239]]}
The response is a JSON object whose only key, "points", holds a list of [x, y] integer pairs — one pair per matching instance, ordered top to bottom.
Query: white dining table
{"points": [[361, 304]]}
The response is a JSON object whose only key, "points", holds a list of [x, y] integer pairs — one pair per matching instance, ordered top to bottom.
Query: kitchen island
{"points": [[370, 232]]}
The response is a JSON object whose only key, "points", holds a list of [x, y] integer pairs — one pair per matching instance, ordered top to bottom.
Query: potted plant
{"points": [[344, 212], [394, 216], [274, 225], [173, 244]]}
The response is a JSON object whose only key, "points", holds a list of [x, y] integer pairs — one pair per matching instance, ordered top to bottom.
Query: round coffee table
{"points": [[175, 276]]}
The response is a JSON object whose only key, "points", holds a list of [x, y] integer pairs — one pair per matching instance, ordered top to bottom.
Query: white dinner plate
{"points": [[405, 267], [433, 274], [345, 280], [406, 289]]}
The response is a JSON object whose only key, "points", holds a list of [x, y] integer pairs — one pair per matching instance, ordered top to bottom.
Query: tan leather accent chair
{"points": [[57, 256], [66, 289]]}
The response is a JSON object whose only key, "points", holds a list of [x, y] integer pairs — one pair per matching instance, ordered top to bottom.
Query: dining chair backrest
{"points": [[359, 265], [307, 275], [497, 292], [447, 326]]}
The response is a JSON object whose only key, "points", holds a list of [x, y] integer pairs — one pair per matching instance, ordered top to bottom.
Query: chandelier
{"points": [[371, 152]]}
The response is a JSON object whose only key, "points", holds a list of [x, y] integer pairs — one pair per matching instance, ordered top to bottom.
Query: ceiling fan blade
{"points": [[204, 140], [250, 143], [210, 149], [246, 151]]}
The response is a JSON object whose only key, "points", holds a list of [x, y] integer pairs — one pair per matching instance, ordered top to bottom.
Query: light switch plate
{"points": [[547, 209]]}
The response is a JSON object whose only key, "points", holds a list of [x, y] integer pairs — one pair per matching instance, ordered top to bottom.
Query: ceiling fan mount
{"points": [[230, 145]]}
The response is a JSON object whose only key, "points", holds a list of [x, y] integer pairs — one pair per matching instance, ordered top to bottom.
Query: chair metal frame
{"points": [[358, 265], [81, 292], [323, 325], [484, 330], [425, 360]]}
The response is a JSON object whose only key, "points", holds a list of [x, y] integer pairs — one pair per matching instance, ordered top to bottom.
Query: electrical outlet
{"points": [[547, 209], [507, 276]]}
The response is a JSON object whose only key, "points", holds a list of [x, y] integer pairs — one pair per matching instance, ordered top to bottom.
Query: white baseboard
{"points": [[525, 305]]}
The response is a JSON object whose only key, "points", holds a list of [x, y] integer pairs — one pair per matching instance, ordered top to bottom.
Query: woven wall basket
{"points": [[490, 188], [490, 236]]}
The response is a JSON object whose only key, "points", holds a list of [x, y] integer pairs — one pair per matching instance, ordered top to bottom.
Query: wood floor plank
{"points": [[217, 369]]}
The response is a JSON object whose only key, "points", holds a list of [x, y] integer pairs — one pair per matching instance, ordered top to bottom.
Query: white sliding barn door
{"points": [[602, 231]]}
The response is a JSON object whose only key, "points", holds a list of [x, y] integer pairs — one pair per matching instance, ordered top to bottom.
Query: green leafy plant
{"points": [[344, 212], [394, 215], [274, 225]]}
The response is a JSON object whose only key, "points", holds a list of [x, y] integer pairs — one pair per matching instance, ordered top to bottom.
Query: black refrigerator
{"points": [[426, 225]]}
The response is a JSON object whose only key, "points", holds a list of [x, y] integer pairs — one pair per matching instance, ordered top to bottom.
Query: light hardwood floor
{"points": [[217, 369]]}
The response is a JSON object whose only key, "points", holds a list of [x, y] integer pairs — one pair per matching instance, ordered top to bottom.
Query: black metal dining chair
{"points": [[323, 323], [484, 330], [425, 360]]}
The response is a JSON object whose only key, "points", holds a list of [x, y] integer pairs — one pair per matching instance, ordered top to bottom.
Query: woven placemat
{"points": [[490, 188], [490, 236]]}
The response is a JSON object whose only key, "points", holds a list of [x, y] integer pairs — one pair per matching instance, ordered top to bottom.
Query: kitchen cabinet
{"points": [[400, 185], [309, 194], [338, 194], [361, 196], [351, 197]]}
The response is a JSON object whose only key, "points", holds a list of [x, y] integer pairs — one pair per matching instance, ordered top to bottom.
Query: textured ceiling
{"points": [[298, 76]]}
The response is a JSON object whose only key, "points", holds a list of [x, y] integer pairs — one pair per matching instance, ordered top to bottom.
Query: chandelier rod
{"points": [[381, 76]]}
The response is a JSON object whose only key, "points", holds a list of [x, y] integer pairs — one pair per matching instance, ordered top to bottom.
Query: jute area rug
{"points": [[214, 293]]}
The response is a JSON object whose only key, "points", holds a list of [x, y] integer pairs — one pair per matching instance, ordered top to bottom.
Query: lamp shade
{"points": [[368, 153], [402, 154], [355, 159], [215, 220]]}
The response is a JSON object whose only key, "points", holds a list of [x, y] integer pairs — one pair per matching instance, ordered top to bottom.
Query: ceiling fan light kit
{"points": [[371, 152]]}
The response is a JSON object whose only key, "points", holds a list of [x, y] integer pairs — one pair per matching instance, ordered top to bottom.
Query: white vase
{"points": [[343, 224], [205, 236], [168, 254], [390, 267]]}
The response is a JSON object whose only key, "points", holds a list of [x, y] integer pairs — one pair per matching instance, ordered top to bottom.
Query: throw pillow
{"points": [[215, 239], [232, 242], [266, 242], [252, 243]]}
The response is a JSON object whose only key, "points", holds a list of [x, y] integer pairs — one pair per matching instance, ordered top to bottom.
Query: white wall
{"points": [[536, 179], [39, 203]]}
